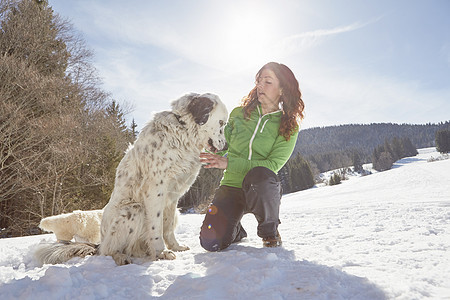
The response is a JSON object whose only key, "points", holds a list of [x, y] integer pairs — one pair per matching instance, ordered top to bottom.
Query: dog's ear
{"points": [[200, 108]]}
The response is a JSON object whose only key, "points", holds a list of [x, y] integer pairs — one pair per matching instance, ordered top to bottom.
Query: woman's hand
{"points": [[213, 161]]}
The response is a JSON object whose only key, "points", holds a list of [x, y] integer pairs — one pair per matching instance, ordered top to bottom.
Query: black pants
{"points": [[260, 195]]}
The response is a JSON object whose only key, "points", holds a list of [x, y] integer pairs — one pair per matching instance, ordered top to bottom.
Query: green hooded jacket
{"points": [[254, 142]]}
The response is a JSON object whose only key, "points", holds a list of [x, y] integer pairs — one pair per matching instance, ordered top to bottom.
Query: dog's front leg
{"points": [[169, 225], [155, 241]]}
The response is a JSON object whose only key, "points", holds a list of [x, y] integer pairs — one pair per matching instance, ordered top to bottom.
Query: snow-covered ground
{"points": [[382, 236]]}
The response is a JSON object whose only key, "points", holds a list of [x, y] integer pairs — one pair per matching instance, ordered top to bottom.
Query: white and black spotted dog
{"points": [[140, 218]]}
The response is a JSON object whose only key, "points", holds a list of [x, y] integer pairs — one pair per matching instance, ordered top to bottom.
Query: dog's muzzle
{"points": [[213, 148]]}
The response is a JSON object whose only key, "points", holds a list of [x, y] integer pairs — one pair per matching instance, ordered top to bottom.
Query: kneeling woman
{"points": [[261, 135]]}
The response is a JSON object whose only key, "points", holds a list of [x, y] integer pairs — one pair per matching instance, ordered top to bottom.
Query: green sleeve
{"points": [[276, 159]]}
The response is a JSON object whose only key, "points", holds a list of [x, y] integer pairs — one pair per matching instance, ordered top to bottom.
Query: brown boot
{"points": [[272, 241]]}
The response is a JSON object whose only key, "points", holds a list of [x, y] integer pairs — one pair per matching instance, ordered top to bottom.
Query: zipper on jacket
{"points": [[262, 128], [256, 130], [253, 137]]}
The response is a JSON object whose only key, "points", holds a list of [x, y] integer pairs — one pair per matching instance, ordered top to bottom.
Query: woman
{"points": [[261, 136]]}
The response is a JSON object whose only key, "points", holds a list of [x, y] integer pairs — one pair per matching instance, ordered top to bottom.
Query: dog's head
{"points": [[208, 114]]}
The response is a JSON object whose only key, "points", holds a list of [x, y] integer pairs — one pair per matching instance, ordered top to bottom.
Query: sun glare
{"points": [[248, 36]]}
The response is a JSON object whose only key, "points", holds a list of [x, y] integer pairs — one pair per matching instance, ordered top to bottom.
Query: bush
{"points": [[335, 179]]}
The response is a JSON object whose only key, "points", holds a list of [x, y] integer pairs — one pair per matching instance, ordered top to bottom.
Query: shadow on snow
{"points": [[243, 272]]}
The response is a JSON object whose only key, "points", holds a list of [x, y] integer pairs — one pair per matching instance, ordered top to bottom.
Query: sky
{"points": [[357, 61]]}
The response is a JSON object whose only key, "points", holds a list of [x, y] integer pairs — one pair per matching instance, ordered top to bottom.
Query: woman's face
{"points": [[268, 89]]}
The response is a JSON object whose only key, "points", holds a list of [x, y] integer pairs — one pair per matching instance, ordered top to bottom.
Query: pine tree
{"points": [[41, 46], [115, 113], [134, 132], [443, 141], [408, 147], [388, 149], [397, 149], [357, 162], [385, 162], [299, 175]]}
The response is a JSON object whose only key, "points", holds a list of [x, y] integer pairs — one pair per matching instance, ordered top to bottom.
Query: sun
{"points": [[230, 37], [248, 37]]}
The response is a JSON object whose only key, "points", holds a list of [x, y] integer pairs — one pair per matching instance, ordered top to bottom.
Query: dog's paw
{"points": [[180, 248], [167, 254], [121, 259]]}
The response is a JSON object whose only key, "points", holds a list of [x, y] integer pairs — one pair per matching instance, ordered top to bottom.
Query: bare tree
{"points": [[59, 143]]}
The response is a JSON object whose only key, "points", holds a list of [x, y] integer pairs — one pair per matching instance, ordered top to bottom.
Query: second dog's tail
{"points": [[61, 252]]}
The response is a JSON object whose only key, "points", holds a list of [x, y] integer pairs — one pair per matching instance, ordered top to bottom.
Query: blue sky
{"points": [[357, 61]]}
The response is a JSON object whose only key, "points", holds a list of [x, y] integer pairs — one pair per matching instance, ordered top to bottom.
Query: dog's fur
{"points": [[156, 171], [82, 226]]}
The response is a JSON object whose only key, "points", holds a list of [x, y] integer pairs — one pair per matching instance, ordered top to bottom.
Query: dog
{"points": [[140, 218], [82, 226]]}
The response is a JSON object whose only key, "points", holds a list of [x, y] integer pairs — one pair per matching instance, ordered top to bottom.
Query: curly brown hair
{"points": [[291, 100]]}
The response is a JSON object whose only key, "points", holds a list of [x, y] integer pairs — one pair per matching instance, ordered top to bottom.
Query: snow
{"points": [[381, 236]]}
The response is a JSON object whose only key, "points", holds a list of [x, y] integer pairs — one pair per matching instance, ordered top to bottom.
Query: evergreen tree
{"points": [[42, 46], [115, 113], [134, 132], [443, 141], [408, 148], [388, 149], [397, 149], [385, 155], [385, 161], [357, 162], [299, 175]]}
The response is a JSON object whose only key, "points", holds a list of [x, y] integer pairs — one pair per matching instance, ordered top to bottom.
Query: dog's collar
{"points": [[179, 119]]}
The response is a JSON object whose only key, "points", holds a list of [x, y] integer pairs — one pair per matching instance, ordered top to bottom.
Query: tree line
{"points": [[334, 147], [385, 155]]}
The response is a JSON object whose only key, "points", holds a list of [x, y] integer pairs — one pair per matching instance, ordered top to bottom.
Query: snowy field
{"points": [[382, 236]]}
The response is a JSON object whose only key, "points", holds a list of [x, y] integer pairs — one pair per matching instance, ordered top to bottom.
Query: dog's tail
{"points": [[61, 252]]}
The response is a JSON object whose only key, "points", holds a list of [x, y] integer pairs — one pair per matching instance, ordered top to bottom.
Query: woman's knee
{"points": [[223, 215], [214, 233], [211, 241]]}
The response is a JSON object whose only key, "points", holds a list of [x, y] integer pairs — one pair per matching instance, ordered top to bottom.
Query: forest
{"points": [[61, 135], [333, 147]]}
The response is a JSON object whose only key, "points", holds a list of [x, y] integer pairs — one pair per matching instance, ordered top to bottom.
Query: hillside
{"points": [[339, 142], [382, 236]]}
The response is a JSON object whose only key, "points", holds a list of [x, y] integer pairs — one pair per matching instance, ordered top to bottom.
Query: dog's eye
{"points": [[221, 123]]}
